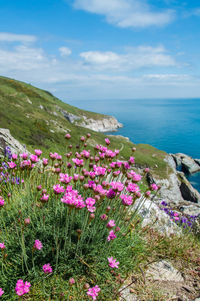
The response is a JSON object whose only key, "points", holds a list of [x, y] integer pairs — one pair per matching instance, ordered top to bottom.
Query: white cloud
{"points": [[126, 13], [11, 37], [65, 51], [134, 58]]}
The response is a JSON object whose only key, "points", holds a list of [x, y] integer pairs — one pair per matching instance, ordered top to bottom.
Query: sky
{"points": [[103, 49]]}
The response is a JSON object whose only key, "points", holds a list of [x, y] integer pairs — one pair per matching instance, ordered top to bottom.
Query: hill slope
{"points": [[37, 118]]}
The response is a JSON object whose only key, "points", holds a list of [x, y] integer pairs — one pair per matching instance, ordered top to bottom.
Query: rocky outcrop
{"points": [[103, 124], [106, 124], [6, 139], [186, 163], [177, 188], [155, 218]]}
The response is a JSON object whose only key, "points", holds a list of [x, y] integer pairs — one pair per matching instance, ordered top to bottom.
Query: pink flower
{"points": [[67, 136], [107, 141], [38, 152], [14, 156], [24, 156], [34, 158], [131, 160], [45, 161], [78, 162], [12, 164], [99, 171], [65, 178], [117, 186], [154, 187], [133, 188], [58, 189], [147, 193], [44, 197], [73, 199], [127, 200], [1, 202], [90, 202], [104, 217], [111, 224], [111, 235], [38, 245], [2, 246], [113, 263], [47, 268], [71, 281], [22, 288], [1, 292], [93, 292]]}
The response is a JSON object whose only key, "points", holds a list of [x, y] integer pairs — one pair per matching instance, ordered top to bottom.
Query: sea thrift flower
{"points": [[67, 136], [107, 141], [38, 152], [14, 156], [24, 156], [34, 158], [131, 160], [45, 161], [78, 162], [12, 164], [147, 170], [65, 178], [117, 186], [154, 187], [133, 188], [58, 189], [111, 193], [148, 193], [44, 197], [127, 200], [1, 202], [90, 202], [104, 217], [27, 221], [111, 224], [111, 235], [38, 245], [2, 246], [113, 263], [47, 268], [71, 281], [22, 288], [1, 292], [93, 292]]}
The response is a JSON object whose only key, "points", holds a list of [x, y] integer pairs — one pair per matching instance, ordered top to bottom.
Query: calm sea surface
{"points": [[172, 125]]}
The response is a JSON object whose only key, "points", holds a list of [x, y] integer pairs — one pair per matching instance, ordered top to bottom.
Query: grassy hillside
{"points": [[34, 117]]}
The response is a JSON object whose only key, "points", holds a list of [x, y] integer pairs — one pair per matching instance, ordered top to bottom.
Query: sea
{"points": [[172, 125]]}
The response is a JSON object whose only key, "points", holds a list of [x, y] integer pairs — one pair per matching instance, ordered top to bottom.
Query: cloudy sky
{"points": [[103, 49]]}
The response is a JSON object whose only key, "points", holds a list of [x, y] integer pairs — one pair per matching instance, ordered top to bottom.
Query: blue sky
{"points": [[103, 49]]}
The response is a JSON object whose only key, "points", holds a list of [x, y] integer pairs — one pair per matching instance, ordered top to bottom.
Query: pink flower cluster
{"points": [[65, 178], [117, 186], [132, 187], [58, 189], [73, 199], [127, 200], [1, 202], [90, 202], [111, 235], [2, 245], [38, 245], [113, 263], [47, 268], [22, 288], [93, 292]]}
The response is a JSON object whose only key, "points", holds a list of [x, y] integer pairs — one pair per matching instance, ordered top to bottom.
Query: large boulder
{"points": [[6, 139], [188, 192]]}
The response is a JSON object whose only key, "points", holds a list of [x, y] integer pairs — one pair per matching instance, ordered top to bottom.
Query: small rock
{"points": [[164, 271]]}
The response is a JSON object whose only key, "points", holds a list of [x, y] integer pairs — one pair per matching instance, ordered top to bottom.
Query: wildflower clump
{"points": [[64, 216]]}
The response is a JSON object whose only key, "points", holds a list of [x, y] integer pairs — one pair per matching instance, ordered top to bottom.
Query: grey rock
{"points": [[69, 116], [106, 124], [6, 139], [197, 161], [187, 163], [191, 209], [155, 218], [163, 271], [126, 295]]}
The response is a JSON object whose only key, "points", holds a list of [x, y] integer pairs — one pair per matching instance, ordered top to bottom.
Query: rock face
{"points": [[108, 124], [6, 139], [187, 163], [177, 188], [156, 218], [163, 271]]}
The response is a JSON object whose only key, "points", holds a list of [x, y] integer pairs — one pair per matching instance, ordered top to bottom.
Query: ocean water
{"points": [[172, 125]]}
